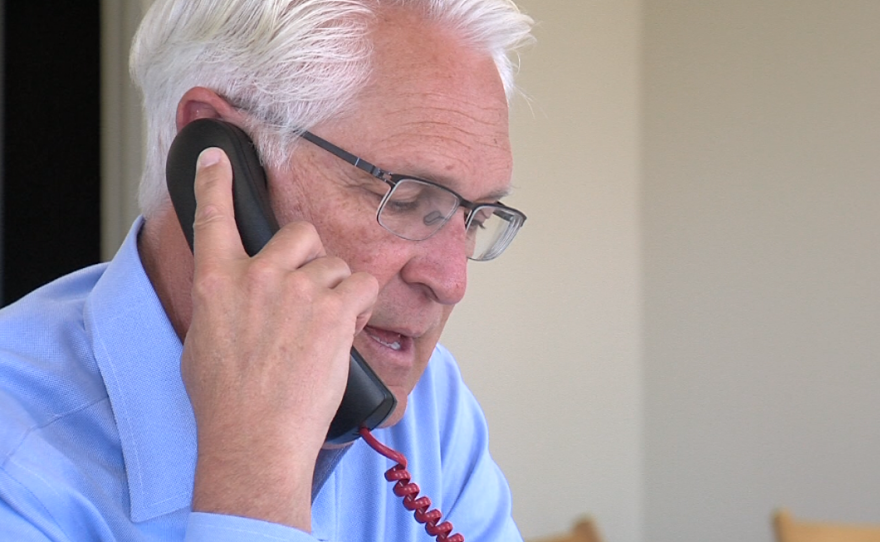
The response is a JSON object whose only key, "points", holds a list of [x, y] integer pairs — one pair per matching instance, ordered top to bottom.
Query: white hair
{"points": [[290, 63]]}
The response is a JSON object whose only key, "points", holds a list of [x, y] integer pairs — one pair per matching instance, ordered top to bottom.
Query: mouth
{"points": [[392, 340], [392, 345]]}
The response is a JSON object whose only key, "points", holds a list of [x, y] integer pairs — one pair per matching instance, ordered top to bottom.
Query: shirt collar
{"points": [[138, 354]]}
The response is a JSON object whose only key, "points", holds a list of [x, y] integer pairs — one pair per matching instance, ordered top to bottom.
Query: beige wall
{"points": [[761, 228], [685, 336]]}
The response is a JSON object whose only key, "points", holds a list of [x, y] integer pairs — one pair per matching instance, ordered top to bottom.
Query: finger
{"points": [[214, 232], [294, 245], [327, 271], [361, 290]]}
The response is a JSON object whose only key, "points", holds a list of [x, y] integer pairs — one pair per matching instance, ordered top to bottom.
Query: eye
{"points": [[408, 197], [402, 206]]}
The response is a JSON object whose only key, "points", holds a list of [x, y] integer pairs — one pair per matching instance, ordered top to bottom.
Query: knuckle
{"points": [[205, 215], [304, 229], [338, 265], [262, 273], [209, 283], [371, 283], [365, 284], [302, 289]]}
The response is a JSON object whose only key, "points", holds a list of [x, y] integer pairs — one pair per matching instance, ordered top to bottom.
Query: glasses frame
{"points": [[391, 179]]}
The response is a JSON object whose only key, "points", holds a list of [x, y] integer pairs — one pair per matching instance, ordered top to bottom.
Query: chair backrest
{"points": [[790, 530], [583, 531]]}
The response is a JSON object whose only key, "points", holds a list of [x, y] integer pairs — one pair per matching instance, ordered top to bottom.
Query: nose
{"points": [[439, 263]]}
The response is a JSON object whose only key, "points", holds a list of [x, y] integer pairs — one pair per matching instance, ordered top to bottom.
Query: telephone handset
{"points": [[366, 402]]}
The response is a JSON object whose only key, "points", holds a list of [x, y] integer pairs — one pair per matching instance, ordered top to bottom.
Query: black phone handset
{"points": [[366, 402]]}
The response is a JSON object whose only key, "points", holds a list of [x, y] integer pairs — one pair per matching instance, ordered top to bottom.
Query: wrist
{"points": [[253, 487]]}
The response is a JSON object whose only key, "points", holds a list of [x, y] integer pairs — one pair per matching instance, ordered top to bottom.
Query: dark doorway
{"points": [[51, 141]]}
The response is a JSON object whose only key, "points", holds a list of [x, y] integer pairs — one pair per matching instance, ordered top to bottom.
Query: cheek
{"points": [[289, 201], [346, 230], [356, 243], [364, 245], [372, 252], [430, 340]]}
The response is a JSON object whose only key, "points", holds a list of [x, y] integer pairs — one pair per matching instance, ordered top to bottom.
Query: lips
{"points": [[387, 338]]}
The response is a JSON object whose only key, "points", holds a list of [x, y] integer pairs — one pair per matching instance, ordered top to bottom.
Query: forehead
{"points": [[432, 108]]}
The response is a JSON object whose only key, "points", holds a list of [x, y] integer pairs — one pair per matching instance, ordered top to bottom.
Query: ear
{"points": [[203, 103]]}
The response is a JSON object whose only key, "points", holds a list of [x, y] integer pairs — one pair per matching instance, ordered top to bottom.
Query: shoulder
{"points": [[54, 307], [48, 321], [46, 364]]}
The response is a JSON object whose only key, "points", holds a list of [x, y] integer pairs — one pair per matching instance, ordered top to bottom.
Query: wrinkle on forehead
{"points": [[473, 118]]}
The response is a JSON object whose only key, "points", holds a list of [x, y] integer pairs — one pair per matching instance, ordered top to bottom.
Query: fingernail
{"points": [[209, 157]]}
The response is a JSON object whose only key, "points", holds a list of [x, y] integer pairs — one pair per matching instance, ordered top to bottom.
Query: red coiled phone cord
{"points": [[410, 492]]}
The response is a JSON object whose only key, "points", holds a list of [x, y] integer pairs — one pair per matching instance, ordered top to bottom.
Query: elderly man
{"points": [[101, 438]]}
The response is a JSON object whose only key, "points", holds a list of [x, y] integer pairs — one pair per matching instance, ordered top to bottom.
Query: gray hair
{"points": [[290, 63]]}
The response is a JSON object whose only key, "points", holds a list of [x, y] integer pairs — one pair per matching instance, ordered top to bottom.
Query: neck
{"points": [[168, 263]]}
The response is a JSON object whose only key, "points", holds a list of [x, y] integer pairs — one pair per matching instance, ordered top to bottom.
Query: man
{"points": [[101, 438]]}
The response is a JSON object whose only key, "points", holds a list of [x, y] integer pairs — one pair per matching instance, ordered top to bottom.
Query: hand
{"points": [[265, 359]]}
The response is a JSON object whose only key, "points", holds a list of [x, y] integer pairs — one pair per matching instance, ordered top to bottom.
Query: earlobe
{"points": [[203, 103]]}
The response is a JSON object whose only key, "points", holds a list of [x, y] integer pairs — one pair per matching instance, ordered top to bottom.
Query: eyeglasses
{"points": [[415, 209]]}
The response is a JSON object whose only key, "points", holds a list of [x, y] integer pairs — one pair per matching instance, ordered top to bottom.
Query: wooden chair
{"points": [[789, 529], [583, 531]]}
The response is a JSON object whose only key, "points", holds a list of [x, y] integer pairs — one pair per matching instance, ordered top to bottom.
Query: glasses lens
{"points": [[415, 210], [491, 230]]}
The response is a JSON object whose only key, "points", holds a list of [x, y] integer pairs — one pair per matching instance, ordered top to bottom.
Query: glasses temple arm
{"points": [[344, 155]]}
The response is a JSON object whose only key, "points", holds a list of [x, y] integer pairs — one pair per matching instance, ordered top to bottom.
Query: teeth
{"points": [[394, 346]]}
